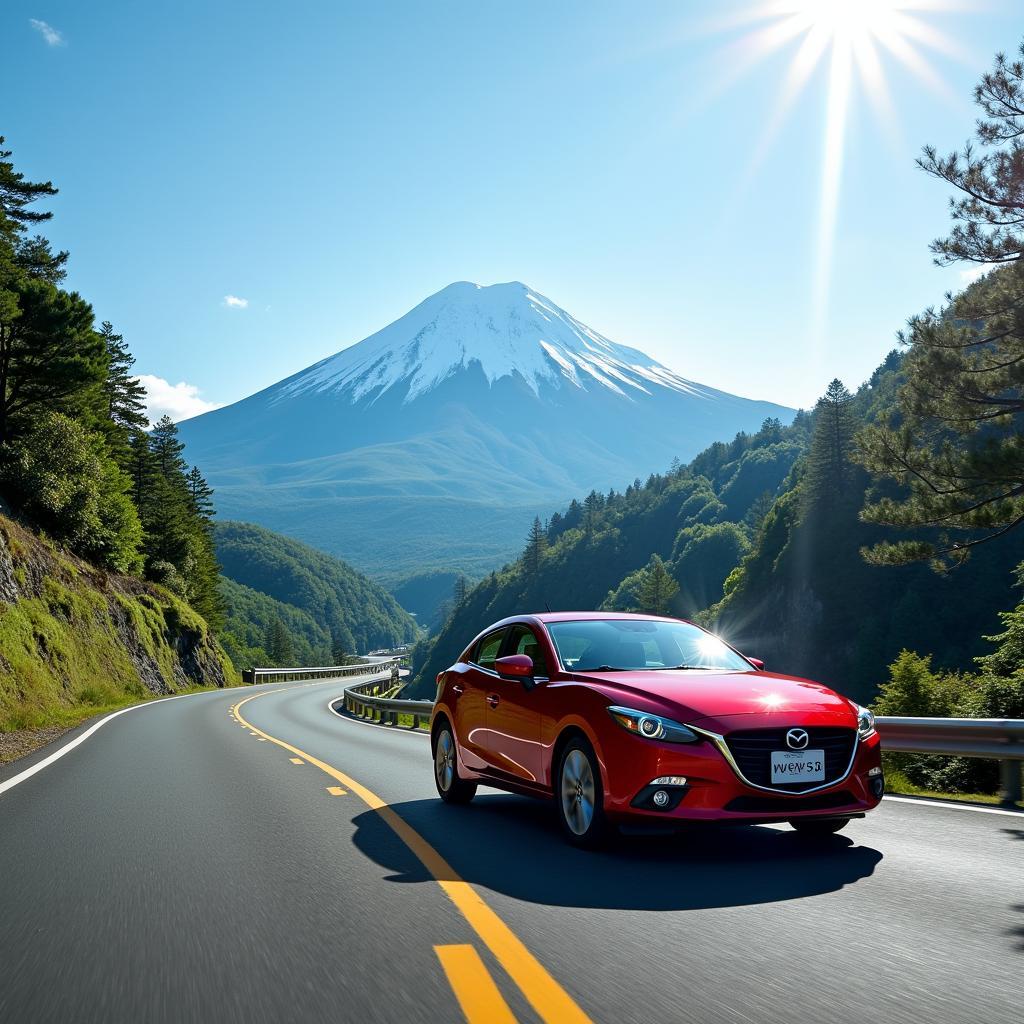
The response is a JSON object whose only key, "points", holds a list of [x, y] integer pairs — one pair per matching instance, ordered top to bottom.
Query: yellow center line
{"points": [[297, 760], [473, 986], [552, 1003]]}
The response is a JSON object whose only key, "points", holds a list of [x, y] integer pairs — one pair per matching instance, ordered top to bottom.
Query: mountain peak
{"points": [[508, 330]]}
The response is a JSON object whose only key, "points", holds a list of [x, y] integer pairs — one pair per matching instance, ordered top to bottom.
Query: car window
{"points": [[524, 641], [640, 644], [486, 652]]}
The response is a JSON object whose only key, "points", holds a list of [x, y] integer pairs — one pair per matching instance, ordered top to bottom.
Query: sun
{"points": [[848, 19], [853, 40]]}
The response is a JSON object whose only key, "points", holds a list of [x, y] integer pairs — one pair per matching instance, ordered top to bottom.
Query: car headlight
{"points": [[865, 722], [652, 727]]}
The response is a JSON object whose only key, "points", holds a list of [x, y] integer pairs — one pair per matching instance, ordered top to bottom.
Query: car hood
{"points": [[696, 696]]}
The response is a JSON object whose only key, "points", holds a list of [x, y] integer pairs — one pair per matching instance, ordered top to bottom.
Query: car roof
{"points": [[576, 616]]}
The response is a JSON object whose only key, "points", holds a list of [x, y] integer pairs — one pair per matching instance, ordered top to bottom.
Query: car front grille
{"points": [[751, 749], [789, 804]]}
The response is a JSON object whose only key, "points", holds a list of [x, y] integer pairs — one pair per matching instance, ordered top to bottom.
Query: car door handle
{"points": [[456, 689], [492, 700]]}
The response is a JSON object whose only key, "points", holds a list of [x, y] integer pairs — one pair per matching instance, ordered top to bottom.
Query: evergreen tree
{"points": [[989, 215], [49, 353], [124, 396], [955, 445], [167, 449], [828, 461], [200, 495], [536, 545], [460, 588], [657, 589], [342, 643]]}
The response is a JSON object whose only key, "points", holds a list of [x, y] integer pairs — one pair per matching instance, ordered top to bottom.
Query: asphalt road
{"points": [[177, 865]]}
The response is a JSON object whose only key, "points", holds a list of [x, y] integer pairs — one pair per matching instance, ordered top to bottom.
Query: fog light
{"points": [[874, 771], [669, 780], [878, 786], [660, 798]]}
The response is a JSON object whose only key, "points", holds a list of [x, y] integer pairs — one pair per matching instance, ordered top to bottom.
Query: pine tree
{"points": [[124, 396], [167, 448], [828, 461], [200, 494], [536, 545], [460, 588], [657, 589]]}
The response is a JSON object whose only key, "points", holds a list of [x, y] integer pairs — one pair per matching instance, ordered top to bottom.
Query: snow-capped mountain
{"points": [[507, 329], [436, 440]]}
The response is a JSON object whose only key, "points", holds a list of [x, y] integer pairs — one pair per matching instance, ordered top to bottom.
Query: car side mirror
{"points": [[757, 663], [518, 667]]}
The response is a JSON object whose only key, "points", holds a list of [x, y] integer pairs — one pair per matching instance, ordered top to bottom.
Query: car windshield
{"points": [[618, 645]]}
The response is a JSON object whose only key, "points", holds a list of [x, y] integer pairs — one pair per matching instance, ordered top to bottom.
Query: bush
{"points": [[67, 484], [913, 688]]}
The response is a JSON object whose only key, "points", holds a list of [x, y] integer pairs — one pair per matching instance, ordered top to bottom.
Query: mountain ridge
{"points": [[432, 443]]}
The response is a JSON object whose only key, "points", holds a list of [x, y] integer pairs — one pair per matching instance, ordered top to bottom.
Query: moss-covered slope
{"points": [[75, 639]]}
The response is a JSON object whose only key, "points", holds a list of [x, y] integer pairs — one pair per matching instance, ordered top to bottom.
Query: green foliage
{"points": [[954, 446], [64, 481], [599, 552], [657, 588], [344, 602], [251, 615], [76, 642], [997, 691]]}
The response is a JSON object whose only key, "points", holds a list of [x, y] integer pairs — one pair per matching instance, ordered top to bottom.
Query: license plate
{"points": [[798, 766]]}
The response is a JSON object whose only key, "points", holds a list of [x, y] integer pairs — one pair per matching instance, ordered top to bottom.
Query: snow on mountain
{"points": [[508, 329]]}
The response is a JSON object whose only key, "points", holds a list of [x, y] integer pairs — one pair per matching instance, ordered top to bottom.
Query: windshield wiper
{"points": [[602, 668], [678, 668]]}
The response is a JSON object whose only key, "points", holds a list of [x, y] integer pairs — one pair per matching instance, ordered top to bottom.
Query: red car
{"points": [[636, 718]]}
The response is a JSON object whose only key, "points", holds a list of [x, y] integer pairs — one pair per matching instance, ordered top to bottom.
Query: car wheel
{"points": [[450, 787], [578, 796], [819, 826]]}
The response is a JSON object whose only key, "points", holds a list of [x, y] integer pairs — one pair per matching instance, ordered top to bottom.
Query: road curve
{"points": [[179, 865]]}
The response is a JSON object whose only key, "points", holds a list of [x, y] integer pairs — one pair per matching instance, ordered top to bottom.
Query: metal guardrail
{"points": [[286, 675], [365, 700], [997, 739]]}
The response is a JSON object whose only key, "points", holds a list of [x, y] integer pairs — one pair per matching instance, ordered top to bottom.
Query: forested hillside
{"points": [[666, 544], [114, 594], [342, 610]]}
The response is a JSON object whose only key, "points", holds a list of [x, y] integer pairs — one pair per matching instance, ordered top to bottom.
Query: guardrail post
{"points": [[1009, 778]]}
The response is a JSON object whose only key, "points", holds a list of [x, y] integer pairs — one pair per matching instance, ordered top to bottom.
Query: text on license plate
{"points": [[798, 766]]}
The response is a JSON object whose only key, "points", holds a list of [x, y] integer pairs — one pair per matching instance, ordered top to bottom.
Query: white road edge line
{"points": [[373, 725], [68, 747], [952, 805]]}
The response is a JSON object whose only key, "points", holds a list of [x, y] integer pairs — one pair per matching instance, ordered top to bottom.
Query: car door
{"points": [[476, 680], [513, 714]]}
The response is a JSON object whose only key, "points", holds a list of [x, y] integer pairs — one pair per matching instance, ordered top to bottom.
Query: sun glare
{"points": [[854, 38]]}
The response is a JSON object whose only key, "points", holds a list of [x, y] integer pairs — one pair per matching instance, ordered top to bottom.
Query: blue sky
{"points": [[332, 164]]}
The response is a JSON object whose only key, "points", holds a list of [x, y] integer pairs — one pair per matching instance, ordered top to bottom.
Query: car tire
{"points": [[450, 788], [579, 798], [813, 827]]}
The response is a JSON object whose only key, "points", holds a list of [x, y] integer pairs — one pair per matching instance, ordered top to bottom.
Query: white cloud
{"points": [[48, 32], [973, 272], [234, 302], [179, 401]]}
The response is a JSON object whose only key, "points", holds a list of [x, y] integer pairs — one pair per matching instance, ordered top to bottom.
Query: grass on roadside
{"points": [[896, 782]]}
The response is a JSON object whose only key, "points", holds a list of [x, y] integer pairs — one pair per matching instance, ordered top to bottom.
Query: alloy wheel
{"points": [[444, 761], [578, 792]]}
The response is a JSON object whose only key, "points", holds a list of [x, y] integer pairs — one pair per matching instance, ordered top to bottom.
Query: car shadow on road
{"points": [[512, 845]]}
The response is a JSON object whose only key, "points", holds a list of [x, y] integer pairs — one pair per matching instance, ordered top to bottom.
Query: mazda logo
{"points": [[797, 739]]}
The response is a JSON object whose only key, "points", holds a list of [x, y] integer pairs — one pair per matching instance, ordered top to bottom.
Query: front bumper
{"points": [[714, 790]]}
